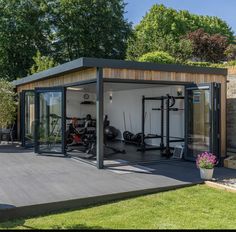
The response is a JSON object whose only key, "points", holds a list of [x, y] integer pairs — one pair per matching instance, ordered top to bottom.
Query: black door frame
{"points": [[215, 89], [22, 118], [63, 119], [216, 122]]}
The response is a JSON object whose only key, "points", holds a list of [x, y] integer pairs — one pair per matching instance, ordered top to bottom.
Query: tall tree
{"points": [[93, 28], [162, 28], [62, 30], [23, 31], [206, 47], [41, 63]]}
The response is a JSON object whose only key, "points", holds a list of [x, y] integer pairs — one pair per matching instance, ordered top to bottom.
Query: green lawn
{"points": [[194, 207]]}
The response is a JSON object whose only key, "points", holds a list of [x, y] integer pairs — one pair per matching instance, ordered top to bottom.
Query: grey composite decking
{"points": [[32, 185]]}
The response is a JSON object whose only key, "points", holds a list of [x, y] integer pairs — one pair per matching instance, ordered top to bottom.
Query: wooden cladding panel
{"points": [[232, 70], [82, 75], [161, 76]]}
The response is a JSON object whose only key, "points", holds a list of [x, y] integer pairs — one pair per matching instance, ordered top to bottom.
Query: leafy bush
{"points": [[182, 50], [230, 52], [157, 57], [165, 58], [231, 63], [199, 64], [204, 64], [7, 104]]}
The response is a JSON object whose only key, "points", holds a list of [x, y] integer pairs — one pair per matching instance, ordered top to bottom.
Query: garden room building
{"points": [[111, 112]]}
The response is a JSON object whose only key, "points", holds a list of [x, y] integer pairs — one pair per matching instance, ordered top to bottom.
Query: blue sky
{"points": [[225, 9]]}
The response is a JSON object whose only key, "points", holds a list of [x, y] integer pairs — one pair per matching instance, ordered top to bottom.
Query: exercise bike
{"points": [[80, 136]]}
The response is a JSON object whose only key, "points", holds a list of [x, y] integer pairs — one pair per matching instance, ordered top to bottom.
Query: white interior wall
{"points": [[129, 103], [74, 108]]}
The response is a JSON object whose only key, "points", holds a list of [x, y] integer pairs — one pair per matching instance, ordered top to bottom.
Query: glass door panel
{"points": [[200, 115], [28, 118], [50, 121]]}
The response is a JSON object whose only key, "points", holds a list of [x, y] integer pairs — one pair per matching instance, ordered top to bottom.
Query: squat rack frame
{"points": [[169, 108]]}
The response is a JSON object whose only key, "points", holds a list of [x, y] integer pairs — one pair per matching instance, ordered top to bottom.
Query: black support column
{"points": [[143, 125], [100, 126], [162, 146], [168, 152]]}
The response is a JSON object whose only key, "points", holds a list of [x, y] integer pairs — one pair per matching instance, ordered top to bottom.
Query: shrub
{"points": [[230, 52], [157, 57], [230, 63], [199, 64], [204, 64], [7, 104]]}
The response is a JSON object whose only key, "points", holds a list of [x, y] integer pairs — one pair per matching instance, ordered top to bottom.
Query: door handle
{"points": [[215, 105]]}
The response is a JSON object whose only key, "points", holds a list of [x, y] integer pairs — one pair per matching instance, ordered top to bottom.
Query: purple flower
{"points": [[206, 160]]}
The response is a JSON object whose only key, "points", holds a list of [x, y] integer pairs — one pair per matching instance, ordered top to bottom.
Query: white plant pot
{"points": [[206, 174]]}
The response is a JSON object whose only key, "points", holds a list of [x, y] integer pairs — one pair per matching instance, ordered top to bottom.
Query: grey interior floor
{"points": [[131, 153], [27, 179]]}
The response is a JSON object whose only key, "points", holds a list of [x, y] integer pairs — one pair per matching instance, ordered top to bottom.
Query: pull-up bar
{"points": [[162, 97], [171, 109]]}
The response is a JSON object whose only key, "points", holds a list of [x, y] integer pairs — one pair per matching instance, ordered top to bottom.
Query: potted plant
{"points": [[206, 162]]}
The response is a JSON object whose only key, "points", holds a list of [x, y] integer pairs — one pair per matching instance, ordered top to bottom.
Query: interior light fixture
{"points": [[75, 88], [179, 92], [110, 97]]}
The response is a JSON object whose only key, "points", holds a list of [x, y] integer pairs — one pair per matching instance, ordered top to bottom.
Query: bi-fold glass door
{"points": [[28, 118], [202, 119], [50, 120]]}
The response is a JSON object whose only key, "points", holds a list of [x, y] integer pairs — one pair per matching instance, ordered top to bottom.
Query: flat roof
{"points": [[85, 62]]}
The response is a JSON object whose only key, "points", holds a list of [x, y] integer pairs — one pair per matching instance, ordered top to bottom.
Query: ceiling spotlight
{"points": [[75, 88], [179, 92], [110, 97]]}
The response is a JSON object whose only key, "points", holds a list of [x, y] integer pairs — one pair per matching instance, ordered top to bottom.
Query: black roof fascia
{"points": [[83, 63], [109, 63]]}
